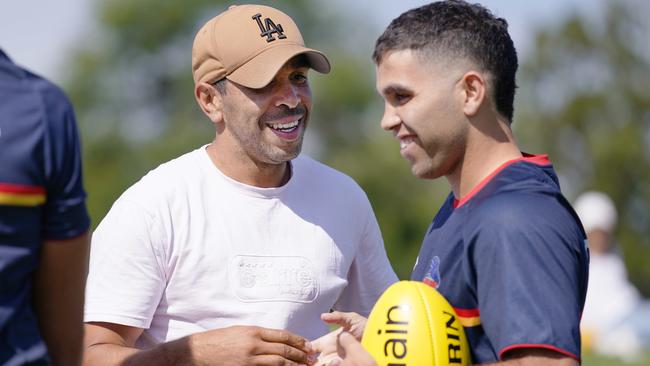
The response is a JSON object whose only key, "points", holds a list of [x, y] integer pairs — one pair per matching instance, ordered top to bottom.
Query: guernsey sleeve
{"points": [[65, 207], [525, 253]]}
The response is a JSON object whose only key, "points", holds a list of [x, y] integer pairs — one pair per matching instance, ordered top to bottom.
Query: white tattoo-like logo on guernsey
{"points": [[273, 278]]}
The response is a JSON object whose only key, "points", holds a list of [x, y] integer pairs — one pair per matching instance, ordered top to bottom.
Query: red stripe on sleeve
{"points": [[19, 188], [467, 313], [542, 346]]}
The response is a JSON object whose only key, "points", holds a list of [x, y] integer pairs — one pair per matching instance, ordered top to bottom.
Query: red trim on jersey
{"points": [[535, 159], [19, 188], [467, 313], [468, 317], [543, 346]]}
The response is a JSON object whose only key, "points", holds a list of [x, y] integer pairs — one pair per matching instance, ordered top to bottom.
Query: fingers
{"points": [[335, 317], [346, 320], [350, 322], [288, 338], [325, 344], [286, 345], [349, 347], [286, 352], [352, 352], [275, 360], [329, 361], [335, 362]]}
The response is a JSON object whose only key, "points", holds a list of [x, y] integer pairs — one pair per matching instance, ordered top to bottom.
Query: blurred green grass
{"points": [[592, 359]]}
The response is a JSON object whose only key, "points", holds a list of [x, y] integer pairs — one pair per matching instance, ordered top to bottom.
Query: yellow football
{"points": [[412, 324]]}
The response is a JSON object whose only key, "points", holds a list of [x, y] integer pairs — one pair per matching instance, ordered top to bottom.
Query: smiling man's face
{"points": [[423, 110], [268, 124]]}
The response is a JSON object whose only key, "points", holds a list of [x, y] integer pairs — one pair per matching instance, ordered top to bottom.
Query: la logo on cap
{"points": [[268, 28], [248, 44]]}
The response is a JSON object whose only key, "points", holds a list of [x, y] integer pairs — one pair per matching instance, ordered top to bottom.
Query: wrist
{"points": [[177, 352]]}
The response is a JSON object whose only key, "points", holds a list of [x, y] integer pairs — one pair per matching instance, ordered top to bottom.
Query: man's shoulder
{"points": [[19, 86], [50, 93], [186, 161], [310, 167], [166, 179], [325, 182], [519, 192], [519, 207], [524, 219]]}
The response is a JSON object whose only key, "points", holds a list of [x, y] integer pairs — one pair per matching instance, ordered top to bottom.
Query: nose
{"points": [[289, 95], [390, 120]]}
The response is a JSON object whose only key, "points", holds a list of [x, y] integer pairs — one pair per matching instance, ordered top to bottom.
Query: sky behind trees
{"points": [[42, 34]]}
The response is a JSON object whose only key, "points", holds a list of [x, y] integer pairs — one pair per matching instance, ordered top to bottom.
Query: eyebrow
{"points": [[395, 88]]}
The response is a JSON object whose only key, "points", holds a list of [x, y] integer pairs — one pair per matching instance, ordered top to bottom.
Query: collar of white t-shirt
{"points": [[253, 191]]}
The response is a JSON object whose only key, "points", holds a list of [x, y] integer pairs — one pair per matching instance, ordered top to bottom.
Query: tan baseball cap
{"points": [[249, 44]]}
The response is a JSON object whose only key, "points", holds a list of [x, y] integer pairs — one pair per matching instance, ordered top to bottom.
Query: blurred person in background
{"points": [[43, 223], [228, 254], [616, 319]]}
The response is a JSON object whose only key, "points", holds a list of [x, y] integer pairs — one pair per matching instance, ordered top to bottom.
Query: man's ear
{"points": [[475, 92], [210, 101]]}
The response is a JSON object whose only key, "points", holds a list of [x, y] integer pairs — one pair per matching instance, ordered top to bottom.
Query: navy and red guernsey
{"points": [[41, 198], [512, 259]]}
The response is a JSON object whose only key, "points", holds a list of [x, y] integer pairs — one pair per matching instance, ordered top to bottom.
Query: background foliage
{"points": [[583, 99]]}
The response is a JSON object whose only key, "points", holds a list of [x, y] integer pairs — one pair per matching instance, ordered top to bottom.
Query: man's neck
{"points": [[486, 150], [243, 169]]}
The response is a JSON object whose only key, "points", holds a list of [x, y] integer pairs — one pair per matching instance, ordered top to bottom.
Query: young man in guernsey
{"points": [[44, 236], [506, 249], [228, 254]]}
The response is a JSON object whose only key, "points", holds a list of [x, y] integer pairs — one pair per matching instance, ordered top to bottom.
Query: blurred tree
{"points": [[585, 101]]}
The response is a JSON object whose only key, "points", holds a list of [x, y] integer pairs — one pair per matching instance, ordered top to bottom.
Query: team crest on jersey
{"points": [[268, 28], [432, 277]]}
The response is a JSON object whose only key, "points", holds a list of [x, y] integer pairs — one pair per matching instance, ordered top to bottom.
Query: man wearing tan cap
{"points": [[228, 254]]}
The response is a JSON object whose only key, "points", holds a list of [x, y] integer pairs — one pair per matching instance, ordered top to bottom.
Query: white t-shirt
{"points": [[188, 249]]}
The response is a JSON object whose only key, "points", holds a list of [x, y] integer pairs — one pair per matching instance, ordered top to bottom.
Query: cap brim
{"points": [[261, 69]]}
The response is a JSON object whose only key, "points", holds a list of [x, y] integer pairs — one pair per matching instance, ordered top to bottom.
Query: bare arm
{"points": [[59, 297], [109, 344], [112, 344], [535, 357]]}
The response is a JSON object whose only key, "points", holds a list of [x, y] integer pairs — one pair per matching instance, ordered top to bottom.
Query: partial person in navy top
{"points": [[43, 222], [506, 249]]}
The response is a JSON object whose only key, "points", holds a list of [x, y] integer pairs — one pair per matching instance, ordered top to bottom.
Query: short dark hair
{"points": [[457, 29], [220, 85]]}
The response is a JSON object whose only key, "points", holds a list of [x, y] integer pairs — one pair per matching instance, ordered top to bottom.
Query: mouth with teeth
{"points": [[287, 130], [404, 142]]}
